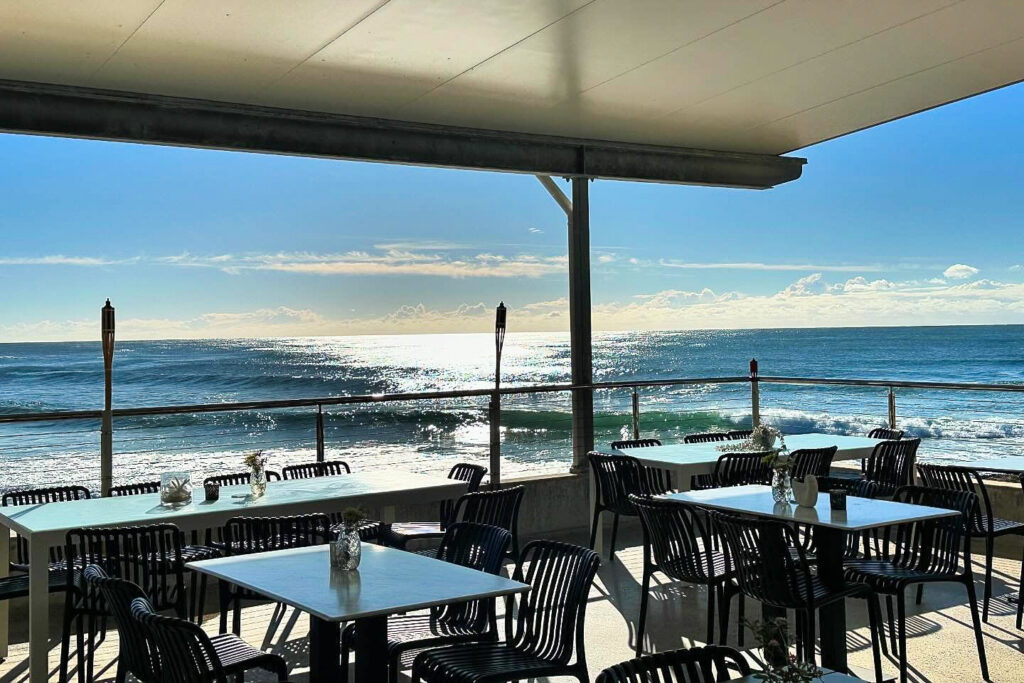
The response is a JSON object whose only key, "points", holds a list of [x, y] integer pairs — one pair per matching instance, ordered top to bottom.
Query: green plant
{"points": [[177, 490], [352, 517], [780, 666]]}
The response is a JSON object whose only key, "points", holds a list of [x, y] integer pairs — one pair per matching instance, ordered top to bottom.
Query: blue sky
{"points": [[913, 222]]}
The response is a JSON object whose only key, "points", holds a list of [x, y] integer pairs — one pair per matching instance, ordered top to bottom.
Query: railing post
{"points": [[755, 395], [892, 409], [494, 412], [636, 414], [107, 422], [319, 433]]}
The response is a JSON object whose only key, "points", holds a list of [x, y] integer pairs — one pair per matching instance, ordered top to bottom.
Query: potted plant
{"points": [[778, 459], [257, 464], [347, 549], [772, 637]]}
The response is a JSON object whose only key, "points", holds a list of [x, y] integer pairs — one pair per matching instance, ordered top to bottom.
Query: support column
{"points": [[580, 325]]}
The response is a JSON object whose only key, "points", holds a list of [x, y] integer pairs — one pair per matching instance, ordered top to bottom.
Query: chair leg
{"points": [[593, 527], [615, 532], [989, 551], [645, 588], [712, 590], [920, 594], [1020, 594], [201, 605], [225, 605], [723, 614], [742, 614], [236, 617], [901, 623], [875, 626], [978, 636], [809, 638], [65, 641], [893, 644]]}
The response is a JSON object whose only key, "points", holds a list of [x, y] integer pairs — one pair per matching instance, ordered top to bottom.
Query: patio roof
{"points": [[756, 77]]}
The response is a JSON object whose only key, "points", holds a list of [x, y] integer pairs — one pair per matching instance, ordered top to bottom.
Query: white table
{"points": [[687, 459], [1011, 465], [45, 526], [830, 528], [388, 581]]}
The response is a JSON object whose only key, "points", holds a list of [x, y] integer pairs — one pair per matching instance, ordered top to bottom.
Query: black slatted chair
{"points": [[886, 433], [740, 434], [706, 437], [635, 443], [816, 461], [891, 465], [735, 469], [309, 470], [237, 478], [616, 478], [138, 488], [859, 488], [55, 494], [498, 508], [983, 523], [400, 534], [249, 535], [476, 546], [673, 546], [927, 551], [194, 552], [148, 556], [771, 567], [1020, 584], [541, 636], [136, 655], [187, 655], [709, 664]]}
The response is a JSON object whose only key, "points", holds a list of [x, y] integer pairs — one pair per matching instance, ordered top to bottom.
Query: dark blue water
{"points": [[430, 435]]}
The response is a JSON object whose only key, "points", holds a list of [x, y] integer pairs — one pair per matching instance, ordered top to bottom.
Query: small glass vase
{"points": [[258, 482], [782, 486], [175, 489], [346, 550]]}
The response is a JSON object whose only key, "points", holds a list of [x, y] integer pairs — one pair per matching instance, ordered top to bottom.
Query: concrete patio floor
{"points": [[940, 636]]}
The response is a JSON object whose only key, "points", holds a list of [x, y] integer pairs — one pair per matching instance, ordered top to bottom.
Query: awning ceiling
{"points": [[755, 76]]}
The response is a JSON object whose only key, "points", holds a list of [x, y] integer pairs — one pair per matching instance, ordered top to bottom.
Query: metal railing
{"points": [[629, 407]]}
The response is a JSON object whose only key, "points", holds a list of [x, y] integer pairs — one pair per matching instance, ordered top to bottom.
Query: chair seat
{"points": [[1000, 527], [411, 530], [195, 553], [679, 568], [885, 577], [17, 586], [822, 594], [414, 628], [236, 655], [483, 661]]}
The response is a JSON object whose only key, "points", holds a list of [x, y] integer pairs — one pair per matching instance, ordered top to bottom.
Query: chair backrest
{"points": [[886, 433], [740, 434], [706, 437], [635, 443], [816, 461], [891, 464], [740, 469], [309, 470], [463, 471], [617, 476], [237, 478], [952, 478], [861, 488], [137, 489], [54, 494], [498, 508], [671, 533], [247, 535], [477, 546], [938, 546], [148, 556], [769, 559], [548, 623], [185, 651], [136, 652], [707, 664]]}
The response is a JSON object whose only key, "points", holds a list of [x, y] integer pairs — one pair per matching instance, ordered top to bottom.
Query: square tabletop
{"points": [[703, 454], [1013, 464], [291, 496], [860, 513], [388, 581]]}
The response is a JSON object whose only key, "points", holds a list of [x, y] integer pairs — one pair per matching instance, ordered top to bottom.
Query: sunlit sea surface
{"points": [[431, 435]]}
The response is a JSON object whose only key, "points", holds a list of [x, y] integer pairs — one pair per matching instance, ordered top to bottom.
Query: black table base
{"points": [[371, 650]]}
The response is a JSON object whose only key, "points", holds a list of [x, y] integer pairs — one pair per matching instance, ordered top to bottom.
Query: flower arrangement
{"points": [[256, 460], [257, 464], [352, 517], [780, 666]]}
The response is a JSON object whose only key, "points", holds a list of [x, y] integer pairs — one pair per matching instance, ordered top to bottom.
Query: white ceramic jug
{"points": [[805, 493]]}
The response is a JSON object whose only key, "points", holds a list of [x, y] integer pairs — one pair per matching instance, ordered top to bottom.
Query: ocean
{"points": [[430, 436]]}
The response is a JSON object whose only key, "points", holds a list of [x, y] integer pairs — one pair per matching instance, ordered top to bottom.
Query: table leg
{"points": [[599, 522], [5, 569], [38, 609], [832, 618], [371, 649], [324, 650]]}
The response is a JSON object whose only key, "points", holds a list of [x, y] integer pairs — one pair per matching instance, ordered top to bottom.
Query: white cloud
{"points": [[535, 231], [59, 260], [1016, 268], [960, 271], [806, 286]]}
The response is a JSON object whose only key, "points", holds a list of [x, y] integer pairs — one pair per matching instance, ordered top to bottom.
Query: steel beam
{"points": [[69, 111], [579, 324]]}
